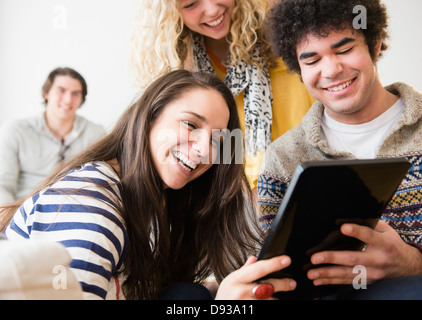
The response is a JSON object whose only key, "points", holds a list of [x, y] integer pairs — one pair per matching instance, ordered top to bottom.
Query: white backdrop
{"points": [[92, 36], [403, 60]]}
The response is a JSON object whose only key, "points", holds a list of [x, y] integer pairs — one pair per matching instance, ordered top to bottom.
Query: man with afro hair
{"points": [[334, 46]]}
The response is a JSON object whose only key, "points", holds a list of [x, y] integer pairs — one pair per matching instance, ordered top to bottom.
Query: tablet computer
{"points": [[320, 198]]}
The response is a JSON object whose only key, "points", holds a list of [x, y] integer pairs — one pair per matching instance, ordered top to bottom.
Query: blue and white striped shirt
{"points": [[85, 218]]}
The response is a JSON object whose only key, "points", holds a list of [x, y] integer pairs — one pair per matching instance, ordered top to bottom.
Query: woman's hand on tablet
{"points": [[242, 284]]}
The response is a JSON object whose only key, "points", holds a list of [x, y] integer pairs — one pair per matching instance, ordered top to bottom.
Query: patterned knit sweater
{"points": [[305, 143]]}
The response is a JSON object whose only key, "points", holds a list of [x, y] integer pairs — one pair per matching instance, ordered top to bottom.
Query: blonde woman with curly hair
{"points": [[226, 37]]}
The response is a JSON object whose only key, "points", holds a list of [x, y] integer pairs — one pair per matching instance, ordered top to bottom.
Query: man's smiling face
{"points": [[339, 72]]}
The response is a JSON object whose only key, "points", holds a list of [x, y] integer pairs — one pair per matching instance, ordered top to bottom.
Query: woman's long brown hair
{"points": [[174, 235]]}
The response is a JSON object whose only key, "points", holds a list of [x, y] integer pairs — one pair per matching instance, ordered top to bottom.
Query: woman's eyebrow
{"points": [[198, 116]]}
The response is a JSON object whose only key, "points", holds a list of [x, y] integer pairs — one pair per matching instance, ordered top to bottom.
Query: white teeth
{"points": [[216, 22], [340, 87], [185, 162]]}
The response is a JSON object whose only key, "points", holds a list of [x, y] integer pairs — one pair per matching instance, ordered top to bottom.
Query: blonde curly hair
{"points": [[160, 41]]}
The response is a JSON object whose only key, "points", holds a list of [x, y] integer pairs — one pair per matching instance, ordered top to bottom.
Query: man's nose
{"points": [[331, 67]]}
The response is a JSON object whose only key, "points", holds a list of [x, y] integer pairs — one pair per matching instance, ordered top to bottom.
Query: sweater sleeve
{"points": [[279, 163], [272, 186], [271, 192], [85, 219]]}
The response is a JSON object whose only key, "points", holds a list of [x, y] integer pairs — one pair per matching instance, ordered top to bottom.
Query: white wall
{"points": [[92, 36], [403, 60]]}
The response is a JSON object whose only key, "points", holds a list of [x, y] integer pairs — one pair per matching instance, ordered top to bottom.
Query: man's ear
{"points": [[377, 50]]}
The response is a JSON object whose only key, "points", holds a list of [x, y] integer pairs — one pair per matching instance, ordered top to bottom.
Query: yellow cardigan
{"points": [[291, 100]]}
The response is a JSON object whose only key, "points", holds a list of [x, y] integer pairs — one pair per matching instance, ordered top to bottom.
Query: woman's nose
{"points": [[210, 8], [200, 143]]}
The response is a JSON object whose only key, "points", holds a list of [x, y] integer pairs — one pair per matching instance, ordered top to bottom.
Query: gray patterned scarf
{"points": [[258, 97]]}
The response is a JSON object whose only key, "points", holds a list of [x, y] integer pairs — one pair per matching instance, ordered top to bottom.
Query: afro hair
{"points": [[291, 21]]}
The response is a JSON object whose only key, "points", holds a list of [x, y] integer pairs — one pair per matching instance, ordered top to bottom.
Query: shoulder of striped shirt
{"points": [[103, 221]]}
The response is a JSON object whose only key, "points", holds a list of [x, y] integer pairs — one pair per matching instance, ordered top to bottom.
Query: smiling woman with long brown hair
{"points": [[145, 209]]}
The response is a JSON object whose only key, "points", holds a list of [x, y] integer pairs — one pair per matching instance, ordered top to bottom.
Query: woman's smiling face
{"points": [[211, 18], [182, 142]]}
